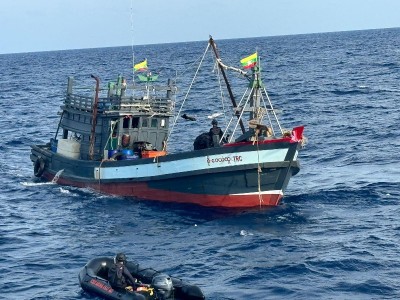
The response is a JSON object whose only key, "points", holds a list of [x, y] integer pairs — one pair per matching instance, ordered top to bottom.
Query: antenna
{"points": [[132, 42]]}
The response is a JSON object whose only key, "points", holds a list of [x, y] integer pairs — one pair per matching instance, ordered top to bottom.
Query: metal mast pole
{"points": [[214, 47], [94, 118]]}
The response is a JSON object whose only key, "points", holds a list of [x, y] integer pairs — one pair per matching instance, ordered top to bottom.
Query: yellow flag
{"points": [[249, 61], [141, 66]]}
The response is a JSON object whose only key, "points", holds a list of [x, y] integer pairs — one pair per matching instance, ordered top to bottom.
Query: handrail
{"points": [[107, 104]]}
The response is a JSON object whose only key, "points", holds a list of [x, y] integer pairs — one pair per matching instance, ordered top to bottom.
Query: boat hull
{"points": [[236, 176]]}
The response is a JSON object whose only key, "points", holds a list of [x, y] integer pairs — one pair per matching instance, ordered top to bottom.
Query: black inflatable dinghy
{"points": [[93, 279]]}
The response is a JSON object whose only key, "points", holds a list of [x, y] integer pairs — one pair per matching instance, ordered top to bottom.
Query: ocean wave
{"points": [[354, 91], [36, 183], [335, 235], [367, 287]]}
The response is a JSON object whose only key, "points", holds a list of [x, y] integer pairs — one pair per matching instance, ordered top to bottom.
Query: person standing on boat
{"points": [[215, 133], [125, 141], [119, 275]]}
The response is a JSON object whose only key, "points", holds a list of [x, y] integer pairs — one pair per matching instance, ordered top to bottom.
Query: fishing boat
{"points": [[116, 140], [154, 284]]}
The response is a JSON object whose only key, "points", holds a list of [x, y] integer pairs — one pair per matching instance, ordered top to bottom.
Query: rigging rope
{"points": [[132, 42], [185, 70], [187, 94], [273, 110], [112, 127], [259, 171]]}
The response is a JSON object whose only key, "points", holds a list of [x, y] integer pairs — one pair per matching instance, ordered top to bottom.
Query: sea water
{"points": [[336, 235]]}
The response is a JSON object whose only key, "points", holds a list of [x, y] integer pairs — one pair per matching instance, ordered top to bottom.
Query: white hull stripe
{"points": [[295, 155], [192, 164], [273, 192]]}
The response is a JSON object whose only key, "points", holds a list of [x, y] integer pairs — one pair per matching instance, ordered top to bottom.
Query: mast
{"points": [[214, 47], [256, 85], [94, 117]]}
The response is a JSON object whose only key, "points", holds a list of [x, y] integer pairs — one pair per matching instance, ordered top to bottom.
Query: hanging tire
{"points": [[39, 166]]}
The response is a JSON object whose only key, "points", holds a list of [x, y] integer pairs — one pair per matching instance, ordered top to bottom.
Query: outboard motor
{"points": [[163, 286]]}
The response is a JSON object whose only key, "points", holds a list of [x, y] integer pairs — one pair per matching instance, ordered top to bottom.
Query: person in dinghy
{"points": [[119, 276], [121, 279]]}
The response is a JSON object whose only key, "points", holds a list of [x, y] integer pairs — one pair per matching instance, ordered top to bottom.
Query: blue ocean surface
{"points": [[336, 234]]}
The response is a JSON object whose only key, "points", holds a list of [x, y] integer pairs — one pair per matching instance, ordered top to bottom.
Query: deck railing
{"points": [[118, 99], [124, 104]]}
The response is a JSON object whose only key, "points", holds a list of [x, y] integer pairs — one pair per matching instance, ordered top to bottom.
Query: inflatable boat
{"points": [[154, 284]]}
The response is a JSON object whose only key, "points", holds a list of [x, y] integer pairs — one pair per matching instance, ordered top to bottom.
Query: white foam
{"points": [[214, 115], [35, 183], [64, 191], [245, 233]]}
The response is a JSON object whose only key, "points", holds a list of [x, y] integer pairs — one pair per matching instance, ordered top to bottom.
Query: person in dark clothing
{"points": [[215, 133], [119, 275]]}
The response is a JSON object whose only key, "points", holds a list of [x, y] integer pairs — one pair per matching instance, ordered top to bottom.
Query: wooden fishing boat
{"points": [[116, 142]]}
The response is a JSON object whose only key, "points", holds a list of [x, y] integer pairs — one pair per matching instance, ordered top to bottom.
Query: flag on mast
{"points": [[249, 61], [142, 66]]}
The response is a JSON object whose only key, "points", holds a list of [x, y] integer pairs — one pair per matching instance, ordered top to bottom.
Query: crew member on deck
{"points": [[215, 133], [268, 133], [125, 141]]}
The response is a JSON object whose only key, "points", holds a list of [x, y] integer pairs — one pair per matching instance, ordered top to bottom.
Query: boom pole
{"points": [[214, 47]]}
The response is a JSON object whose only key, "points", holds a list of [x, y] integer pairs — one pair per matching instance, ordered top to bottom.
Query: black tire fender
{"points": [[39, 167]]}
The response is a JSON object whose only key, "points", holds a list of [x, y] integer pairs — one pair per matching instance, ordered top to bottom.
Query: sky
{"points": [[44, 25]]}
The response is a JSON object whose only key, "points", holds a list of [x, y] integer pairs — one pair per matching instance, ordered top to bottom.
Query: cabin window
{"points": [[126, 122], [135, 122], [144, 122], [154, 123], [162, 123], [65, 133], [77, 136]]}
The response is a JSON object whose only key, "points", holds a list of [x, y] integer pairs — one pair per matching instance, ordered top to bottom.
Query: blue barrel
{"points": [[111, 153], [126, 153]]}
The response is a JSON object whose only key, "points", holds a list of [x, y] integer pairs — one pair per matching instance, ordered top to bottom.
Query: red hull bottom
{"points": [[143, 191]]}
